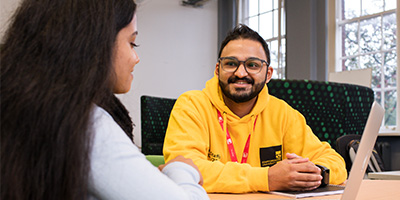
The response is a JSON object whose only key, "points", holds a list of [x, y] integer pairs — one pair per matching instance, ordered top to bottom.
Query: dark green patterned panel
{"points": [[358, 102], [325, 105], [331, 110], [155, 112]]}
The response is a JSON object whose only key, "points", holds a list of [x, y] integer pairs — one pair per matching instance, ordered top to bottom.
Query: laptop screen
{"points": [[367, 143]]}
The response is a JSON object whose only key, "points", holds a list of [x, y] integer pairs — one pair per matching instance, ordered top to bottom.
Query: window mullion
{"points": [[258, 16], [348, 21], [279, 37], [358, 41], [397, 71], [383, 85]]}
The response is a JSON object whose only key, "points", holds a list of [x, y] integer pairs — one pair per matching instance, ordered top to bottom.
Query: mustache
{"points": [[234, 79]]}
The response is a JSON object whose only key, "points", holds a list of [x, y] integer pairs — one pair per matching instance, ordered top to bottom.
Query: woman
{"points": [[64, 135]]}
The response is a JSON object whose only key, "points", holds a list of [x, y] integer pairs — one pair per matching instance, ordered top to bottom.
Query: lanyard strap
{"points": [[229, 142]]}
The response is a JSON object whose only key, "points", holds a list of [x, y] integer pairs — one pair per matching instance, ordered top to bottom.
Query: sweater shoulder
{"points": [[193, 96], [277, 102]]}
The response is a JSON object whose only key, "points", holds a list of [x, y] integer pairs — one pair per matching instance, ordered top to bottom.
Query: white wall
{"points": [[7, 8], [178, 50]]}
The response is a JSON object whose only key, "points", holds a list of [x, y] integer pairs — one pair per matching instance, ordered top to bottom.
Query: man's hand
{"points": [[184, 160], [294, 173]]}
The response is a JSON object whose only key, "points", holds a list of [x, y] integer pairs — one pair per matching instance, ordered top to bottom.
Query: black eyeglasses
{"points": [[251, 65]]}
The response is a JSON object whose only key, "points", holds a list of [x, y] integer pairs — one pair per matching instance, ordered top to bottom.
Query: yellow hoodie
{"points": [[194, 132]]}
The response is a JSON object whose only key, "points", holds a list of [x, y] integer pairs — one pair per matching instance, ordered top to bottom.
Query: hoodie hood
{"points": [[214, 93]]}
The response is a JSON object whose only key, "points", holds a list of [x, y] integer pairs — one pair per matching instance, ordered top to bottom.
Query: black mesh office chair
{"points": [[331, 109], [155, 113]]}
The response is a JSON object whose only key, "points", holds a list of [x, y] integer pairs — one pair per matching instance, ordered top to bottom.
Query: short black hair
{"points": [[242, 31]]}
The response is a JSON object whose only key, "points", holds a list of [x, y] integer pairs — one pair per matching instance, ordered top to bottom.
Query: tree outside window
{"points": [[366, 38]]}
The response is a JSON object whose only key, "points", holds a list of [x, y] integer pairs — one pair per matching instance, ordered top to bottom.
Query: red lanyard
{"points": [[230, 143]]}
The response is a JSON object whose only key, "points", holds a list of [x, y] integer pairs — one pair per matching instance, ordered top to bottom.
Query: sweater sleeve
{"points": [[188, 134], [309, 146], [120, 171]]}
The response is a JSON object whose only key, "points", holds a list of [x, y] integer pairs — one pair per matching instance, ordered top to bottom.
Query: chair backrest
{"points": [[357, 77], [330, 109], [155, 112], [345, 143], [342, 144]]}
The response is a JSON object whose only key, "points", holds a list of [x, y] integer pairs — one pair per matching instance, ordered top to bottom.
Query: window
{"points": [[267, 18], [366, 37]]}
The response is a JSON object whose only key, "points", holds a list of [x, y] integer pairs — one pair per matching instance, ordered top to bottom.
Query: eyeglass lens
{"points": [[252, 65]]}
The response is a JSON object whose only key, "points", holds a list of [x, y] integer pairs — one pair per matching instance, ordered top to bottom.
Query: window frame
{"points": [[243, 15], [334, 53]]}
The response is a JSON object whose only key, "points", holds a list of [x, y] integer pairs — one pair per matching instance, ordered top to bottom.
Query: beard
{"points": [[239, 95]]}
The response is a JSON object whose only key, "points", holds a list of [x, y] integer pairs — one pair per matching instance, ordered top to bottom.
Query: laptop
{"points": [[364, 151], [359, 166]]}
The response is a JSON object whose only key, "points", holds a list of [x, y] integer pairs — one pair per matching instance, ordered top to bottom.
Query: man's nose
{"points": [[241, 71]]}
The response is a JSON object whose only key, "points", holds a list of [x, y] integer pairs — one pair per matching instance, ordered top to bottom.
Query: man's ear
{"points": [[217, 69], [269, 74]]}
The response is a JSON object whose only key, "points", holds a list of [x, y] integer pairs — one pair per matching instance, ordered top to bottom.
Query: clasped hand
{"points": [[294, 173]]}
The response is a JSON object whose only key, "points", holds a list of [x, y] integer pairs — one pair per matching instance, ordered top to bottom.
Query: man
{"points": [[241, 138]]}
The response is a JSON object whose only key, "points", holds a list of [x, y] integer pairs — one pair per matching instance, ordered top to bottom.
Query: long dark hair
{"points": [[56, 61]]}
